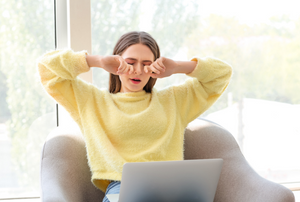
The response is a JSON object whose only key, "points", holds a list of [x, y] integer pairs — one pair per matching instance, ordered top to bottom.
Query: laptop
{"points": [[169, 181]]}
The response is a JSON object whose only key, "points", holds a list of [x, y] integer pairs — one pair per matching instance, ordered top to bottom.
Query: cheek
{"points": [[122, 78], [147, 79]]}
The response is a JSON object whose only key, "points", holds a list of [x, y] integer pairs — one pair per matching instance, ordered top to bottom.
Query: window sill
{"points": [[293, 186], [25, 199]]}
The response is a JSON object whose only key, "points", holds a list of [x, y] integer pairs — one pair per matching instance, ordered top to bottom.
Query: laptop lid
{"points": [[170, 181]]}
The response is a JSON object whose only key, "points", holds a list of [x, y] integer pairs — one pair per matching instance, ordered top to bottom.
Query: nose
{"points": [[138, 69]]}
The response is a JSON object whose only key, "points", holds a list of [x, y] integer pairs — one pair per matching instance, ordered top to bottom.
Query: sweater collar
{"points": [[131, 96]]}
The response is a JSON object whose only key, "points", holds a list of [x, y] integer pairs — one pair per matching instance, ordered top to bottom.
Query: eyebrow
{"points": [[136, 60]]}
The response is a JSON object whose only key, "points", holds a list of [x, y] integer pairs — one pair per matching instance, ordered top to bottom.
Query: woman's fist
{"points": [[115, 64], [162, 67]]}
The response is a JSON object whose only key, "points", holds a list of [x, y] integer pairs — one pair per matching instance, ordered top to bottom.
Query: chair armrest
{"points": [[65, 174], [238, 181]]}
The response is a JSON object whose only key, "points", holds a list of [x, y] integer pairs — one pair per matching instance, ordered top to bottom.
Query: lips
{"points": [[135, 80]]}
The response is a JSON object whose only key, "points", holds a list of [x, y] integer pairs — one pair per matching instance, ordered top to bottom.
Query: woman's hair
{"points": [[123, 43]]}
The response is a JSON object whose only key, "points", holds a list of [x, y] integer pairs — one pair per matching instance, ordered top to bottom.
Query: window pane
{"points": [[111, 19], [261, 104], [27, 114]]}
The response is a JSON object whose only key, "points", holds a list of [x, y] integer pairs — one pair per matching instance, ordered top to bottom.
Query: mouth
{"points": [[135, 80]]}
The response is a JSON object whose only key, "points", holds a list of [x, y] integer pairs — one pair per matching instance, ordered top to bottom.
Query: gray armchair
{"points": [[65, 175]]}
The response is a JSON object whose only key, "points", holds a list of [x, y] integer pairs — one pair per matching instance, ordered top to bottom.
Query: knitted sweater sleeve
{"points": [[58, 72], [209, 80]]}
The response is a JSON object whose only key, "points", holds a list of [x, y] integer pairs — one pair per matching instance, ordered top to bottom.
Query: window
{"points": [[169, 25], [260, 107], [26, 114]]}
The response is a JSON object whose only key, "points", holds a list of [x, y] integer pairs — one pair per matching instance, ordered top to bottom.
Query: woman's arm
{"points": [[93, 60], [110, 63], [164, 67], [185, 67], [58, 73], [210, 78]]}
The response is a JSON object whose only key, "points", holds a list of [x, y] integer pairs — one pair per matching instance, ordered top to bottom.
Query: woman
{"points": [[132, 121]]}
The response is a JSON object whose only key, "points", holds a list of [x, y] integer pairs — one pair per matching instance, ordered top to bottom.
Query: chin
{"points": [[136, 89]]}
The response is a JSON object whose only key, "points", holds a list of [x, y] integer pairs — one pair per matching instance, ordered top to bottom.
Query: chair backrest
{"points": [[65, 174], [238, 181]]}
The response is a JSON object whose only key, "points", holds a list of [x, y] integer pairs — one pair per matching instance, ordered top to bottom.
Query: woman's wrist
{"points": [[93, 60], [185, 67]]}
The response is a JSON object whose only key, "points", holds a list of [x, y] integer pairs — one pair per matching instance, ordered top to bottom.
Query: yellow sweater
{"points": [[134, 126]]}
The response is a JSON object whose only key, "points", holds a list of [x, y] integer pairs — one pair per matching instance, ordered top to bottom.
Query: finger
{"points": [[119, 59], [160, 63], [122, 66], [159, 67], [155, 68], [127, 69], [131, 69], [146, 69], [124, 70], [150, 71], [153, 75]]}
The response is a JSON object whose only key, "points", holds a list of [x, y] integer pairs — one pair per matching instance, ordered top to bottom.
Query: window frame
{"points": [[72, 21], [73, 30]]}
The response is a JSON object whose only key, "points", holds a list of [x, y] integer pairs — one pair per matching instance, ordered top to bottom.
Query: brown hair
{"points": [[123, 43]]}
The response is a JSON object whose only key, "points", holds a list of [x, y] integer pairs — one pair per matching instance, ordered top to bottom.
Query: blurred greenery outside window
{"points": [[260, 107], [26, 113]]}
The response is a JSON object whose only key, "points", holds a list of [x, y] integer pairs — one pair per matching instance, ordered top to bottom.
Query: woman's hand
{"points": [[114, 64], [162, 67]]}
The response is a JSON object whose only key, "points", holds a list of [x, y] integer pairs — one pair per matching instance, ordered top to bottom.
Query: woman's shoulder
{"points": [[92, 90], [100, 91]]}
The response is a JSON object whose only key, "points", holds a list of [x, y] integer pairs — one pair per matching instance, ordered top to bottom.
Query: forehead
{"points": [[139, 52]]}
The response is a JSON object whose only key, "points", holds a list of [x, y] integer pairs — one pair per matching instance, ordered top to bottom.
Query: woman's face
{"points": [[137, 55]]}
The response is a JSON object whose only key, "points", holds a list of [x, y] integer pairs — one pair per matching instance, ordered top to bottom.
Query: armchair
{"points": [[65, 175]]}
